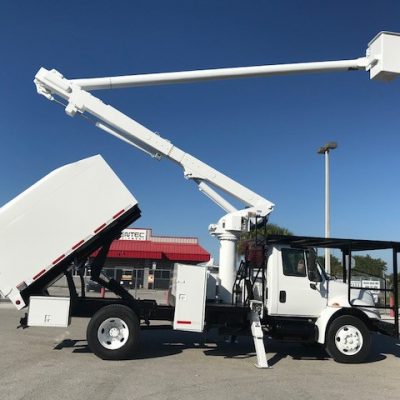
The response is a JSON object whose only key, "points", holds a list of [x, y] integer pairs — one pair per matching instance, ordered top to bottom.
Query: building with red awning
{"points": [[143, 261]]}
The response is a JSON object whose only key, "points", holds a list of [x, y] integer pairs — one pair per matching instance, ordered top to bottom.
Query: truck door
{"points": [[302, 287]]}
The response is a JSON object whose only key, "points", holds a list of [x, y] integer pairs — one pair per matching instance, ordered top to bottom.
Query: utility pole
{"points": [[325, 150]]}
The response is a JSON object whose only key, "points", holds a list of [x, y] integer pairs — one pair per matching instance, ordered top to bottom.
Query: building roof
{"points": [[145, 249]]}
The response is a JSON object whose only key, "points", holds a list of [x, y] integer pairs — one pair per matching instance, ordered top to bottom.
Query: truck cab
{"points": [[296, 283], [301, 302]]}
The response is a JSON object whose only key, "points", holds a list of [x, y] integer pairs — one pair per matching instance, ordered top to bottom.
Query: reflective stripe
{"points": [[118, 213], [100, 228], [78, 244], [58, 259], [39, 274]]}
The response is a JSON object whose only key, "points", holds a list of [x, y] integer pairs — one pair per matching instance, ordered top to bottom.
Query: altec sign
{"points": [[134, 234]]}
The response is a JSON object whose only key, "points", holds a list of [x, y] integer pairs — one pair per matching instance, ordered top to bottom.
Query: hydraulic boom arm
{"points": [[109, 119]]}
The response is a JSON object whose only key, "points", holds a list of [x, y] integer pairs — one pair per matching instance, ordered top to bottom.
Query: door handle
{"points": [[313, 286], [282, 296]]}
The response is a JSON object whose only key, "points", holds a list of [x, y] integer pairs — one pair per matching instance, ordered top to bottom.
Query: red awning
{"points": [[144, 249]]}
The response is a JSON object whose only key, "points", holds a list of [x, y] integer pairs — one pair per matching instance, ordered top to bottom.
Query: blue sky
{"points": [[262, 132]]}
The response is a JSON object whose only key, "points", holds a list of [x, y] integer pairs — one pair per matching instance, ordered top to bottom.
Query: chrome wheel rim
{"points": [[113, 333], [349, 340]]}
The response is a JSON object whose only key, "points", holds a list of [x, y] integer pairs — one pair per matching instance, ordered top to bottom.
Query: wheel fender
{"points": [[330, 313], [323, 321]]}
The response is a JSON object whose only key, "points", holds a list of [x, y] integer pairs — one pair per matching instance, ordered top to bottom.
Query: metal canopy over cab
{"points": [[347, 247]]}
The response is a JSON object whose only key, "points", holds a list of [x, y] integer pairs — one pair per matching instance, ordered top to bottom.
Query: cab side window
{"points": [[293, 262]]}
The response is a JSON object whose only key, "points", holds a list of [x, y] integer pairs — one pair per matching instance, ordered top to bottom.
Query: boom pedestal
{"points": [[227, 266]]}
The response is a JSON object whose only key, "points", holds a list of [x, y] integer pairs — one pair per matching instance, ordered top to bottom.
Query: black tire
{"points": [[122, 321], [348, 340]]}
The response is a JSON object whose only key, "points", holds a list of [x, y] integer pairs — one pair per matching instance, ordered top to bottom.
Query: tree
{"points": [[270, 229], [365, 264], [336, 265], [370, 266], [390, 279]]}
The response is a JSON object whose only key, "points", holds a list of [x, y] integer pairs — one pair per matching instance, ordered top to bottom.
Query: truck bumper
{"points": [[386, 328]]}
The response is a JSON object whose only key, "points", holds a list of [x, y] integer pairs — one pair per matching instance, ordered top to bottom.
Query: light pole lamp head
{"points": [[327, 147]]}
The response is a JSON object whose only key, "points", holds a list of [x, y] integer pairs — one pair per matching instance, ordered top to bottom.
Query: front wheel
{"points": [[113, 332], [348, 340]]}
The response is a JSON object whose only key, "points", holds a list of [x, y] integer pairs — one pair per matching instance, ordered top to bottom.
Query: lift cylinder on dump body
{"points": [[55, 218]]}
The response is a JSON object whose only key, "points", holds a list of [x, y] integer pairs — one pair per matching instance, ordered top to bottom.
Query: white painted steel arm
{"points": [[382, 60], [115, 82], [52, 83]]}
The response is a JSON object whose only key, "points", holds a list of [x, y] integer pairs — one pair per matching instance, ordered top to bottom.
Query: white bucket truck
{"points": [[283, 291]]}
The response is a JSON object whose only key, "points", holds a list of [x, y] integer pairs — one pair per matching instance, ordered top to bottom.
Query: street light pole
{"points": [[325, 150]]}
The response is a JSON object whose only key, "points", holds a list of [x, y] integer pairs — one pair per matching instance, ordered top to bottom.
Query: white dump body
{"points": [[54, 217]]}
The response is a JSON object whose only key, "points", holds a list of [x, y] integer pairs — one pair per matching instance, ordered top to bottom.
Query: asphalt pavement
{"points": [[55, 363]]}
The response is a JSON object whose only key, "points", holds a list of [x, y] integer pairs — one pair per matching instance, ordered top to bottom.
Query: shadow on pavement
{"points": [[155, 344], [79, 346], [382, 346], [296, 351]]}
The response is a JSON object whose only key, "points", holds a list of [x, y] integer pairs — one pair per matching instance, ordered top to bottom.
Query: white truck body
{"points": [[62, 215], [53, 218], [66, 219]]}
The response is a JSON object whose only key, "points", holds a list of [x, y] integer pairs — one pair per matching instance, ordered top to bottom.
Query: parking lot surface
{"points": [[55, 363]]}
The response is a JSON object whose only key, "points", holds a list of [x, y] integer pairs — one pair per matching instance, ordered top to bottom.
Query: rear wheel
{"points": [[113, 332], [348, 340]]}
